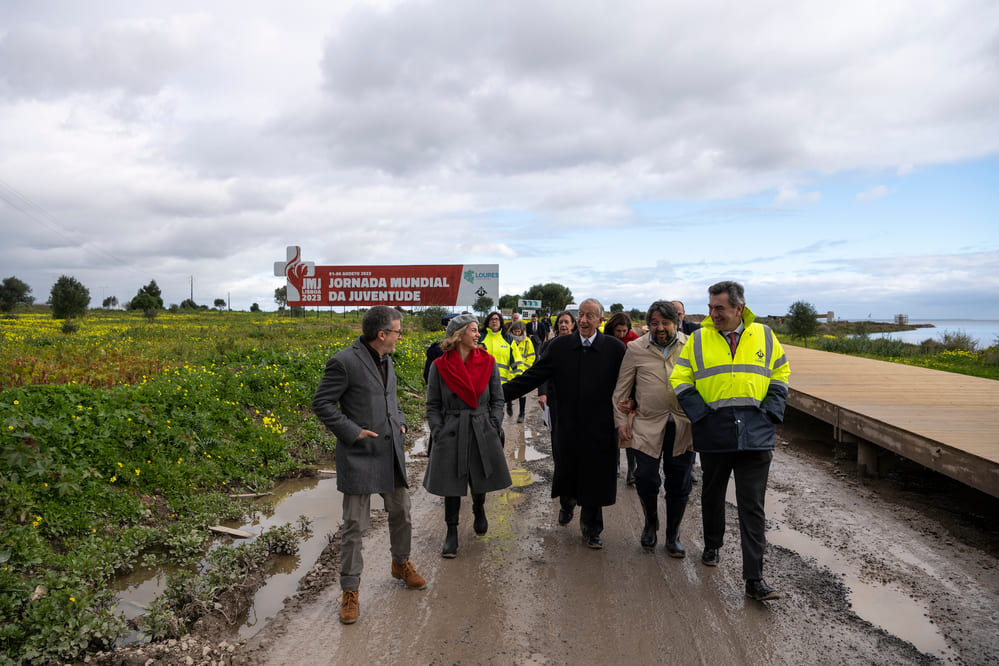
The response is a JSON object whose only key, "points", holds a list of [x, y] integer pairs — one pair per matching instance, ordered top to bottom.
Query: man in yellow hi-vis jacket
{"points": [[731, 379]]}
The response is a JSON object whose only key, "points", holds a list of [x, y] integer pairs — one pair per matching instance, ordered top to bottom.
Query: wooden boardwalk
{"points": [[944, 421]]}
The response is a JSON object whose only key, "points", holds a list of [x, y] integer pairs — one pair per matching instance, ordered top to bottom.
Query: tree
{"points": [[13, 292], [281, 296], [553, 296], [69, 298], [147, 298], [508, 301], [110, 302], [188, 304], [220, 304], [482, 305], [616, 307], [254, 308], [636, 314], [432, 318], [802, 320]]}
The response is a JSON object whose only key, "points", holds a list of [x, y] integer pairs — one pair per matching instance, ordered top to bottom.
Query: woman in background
{"points": [[525, 347]]}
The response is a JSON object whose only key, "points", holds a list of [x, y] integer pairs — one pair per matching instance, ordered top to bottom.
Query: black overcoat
{"points": [[584, 449]]}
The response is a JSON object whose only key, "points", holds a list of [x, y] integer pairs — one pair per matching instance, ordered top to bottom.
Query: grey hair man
{"points": [[582, 369], [356, 400]]}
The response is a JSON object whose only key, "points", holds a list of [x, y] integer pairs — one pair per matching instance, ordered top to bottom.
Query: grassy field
{"points": [[950, 353], [122, 440]]}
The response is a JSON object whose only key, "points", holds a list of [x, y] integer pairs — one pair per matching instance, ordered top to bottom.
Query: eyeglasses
{"points": [[397, 331]]}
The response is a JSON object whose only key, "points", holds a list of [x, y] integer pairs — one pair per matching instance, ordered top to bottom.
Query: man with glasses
{"points": [[582, 368], [732, 381], [356, 400], [659, 434]]}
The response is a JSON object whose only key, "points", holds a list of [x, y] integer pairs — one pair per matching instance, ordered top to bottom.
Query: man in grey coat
{"points": [[356, 400]]}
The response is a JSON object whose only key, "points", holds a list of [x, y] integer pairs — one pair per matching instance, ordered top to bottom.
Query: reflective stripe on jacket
{"points": [[526, 349], [507, 356], [741, 397]]}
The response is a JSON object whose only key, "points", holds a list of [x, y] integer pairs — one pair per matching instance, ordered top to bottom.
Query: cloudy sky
{"points": [[846, 154]]}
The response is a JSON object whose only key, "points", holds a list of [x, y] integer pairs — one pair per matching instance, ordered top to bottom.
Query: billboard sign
{"points": [[404, 286], [528, 304]]}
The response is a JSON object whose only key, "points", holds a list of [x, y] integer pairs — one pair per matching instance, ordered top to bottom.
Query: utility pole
{"points": [[192, 288]]}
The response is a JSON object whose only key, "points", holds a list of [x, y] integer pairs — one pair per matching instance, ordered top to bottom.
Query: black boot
{"points": [[629, 479], [452, 506], [674, 514], [480, 524], [649, 532]]}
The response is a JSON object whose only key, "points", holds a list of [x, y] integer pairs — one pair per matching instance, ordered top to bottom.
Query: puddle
{"points": [[419, 447], [527, 452], [521, 477], [316, 498], [322, 503], [884, 606]]}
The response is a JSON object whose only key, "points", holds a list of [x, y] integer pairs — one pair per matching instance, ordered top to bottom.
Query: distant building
{"points": [[830, 317], [902, 320]]}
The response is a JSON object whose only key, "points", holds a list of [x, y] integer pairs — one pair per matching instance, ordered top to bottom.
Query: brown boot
{"points": [[408, 575], [349, 607]]}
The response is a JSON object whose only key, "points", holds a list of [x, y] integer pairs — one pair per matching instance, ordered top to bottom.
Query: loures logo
{"points": [[469, 276], [760, 355]]}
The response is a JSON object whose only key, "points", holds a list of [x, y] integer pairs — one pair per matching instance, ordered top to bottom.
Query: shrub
{"points": [[431, 318], [959, 340]]}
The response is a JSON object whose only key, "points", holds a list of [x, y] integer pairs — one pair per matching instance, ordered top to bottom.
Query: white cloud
{"points": [[171, 134], [873, 194]]}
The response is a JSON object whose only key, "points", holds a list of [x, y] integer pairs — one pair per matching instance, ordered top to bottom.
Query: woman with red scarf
{"points": [[465, 414]]}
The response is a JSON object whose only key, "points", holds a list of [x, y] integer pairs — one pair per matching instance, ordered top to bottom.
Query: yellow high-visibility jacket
{"points": [[502, 348], [526, 349], [733, 403]]}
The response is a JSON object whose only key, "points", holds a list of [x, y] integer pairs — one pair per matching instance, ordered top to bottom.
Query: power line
{"points": [[21, 203]]}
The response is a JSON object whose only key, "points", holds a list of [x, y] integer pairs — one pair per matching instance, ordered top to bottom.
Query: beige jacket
{"points": [[646, 370]]}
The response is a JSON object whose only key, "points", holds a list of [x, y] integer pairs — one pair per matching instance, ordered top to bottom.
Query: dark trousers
{"points": [[751, 470], [676, 476], [591, 520]]}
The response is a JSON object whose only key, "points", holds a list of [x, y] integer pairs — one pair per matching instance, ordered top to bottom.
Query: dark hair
{"points": [[736, 295], [666, 309], [567, 314], [378, 318], [617, 319], [485, 323], [517, 324]]}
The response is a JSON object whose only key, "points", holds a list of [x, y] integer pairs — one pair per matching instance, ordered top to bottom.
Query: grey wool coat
{"points": [[351, 396], [467, 452]]}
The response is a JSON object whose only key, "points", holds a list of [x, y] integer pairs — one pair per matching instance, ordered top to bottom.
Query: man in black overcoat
{"points": [[583, 368]]}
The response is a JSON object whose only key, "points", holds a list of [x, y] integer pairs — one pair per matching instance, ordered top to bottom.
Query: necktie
{"points": [[733, 342], [586, 344]]}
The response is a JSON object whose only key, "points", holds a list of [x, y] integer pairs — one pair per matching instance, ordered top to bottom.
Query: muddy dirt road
{"points": [[870, 575]]}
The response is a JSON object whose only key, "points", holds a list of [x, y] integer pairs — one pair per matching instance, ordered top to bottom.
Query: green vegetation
{"points": [[69, 298], [801, 320], [952, 352], [121, 442]]}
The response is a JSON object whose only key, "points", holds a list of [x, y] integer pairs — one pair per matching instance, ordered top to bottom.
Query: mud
{"points": [[901, 570]]}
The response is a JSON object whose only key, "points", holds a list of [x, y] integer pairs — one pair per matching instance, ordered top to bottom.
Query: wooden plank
{"points": [[945, 421], [250, 495], [239, 534]]}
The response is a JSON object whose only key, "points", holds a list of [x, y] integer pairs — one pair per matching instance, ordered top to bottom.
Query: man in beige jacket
{"points": [[660, 430]]}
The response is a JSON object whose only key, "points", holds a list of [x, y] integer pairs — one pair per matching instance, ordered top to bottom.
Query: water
{"points": [[984, 332], [316, 498]]}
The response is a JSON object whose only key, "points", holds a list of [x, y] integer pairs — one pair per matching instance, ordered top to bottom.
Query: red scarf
{"points": [[467, 380]]}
